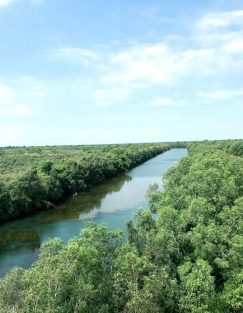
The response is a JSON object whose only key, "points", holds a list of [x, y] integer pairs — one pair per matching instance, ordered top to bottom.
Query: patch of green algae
{"points": [[21, 235]]}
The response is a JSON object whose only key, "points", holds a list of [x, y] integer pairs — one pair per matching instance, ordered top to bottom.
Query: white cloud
{"points": [[38, 1], [5, 2], [218, 20], [223, 33], [235, 46], [210, 50], [143, 52], [200, 53], [73, 54], [152, 63], [163, 64], [35, 87], [6, 94], [220, 94], [109, 96], [22, 98], [164, 102], [24, 109], [154, 129], [10, 132]]}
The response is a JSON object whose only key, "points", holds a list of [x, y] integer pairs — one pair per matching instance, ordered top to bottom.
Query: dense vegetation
{"points": [[35, 178], [187, 259]]}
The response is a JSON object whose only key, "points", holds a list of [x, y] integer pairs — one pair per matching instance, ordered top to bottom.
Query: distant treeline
{"points": [[35, 178], [187, 258]]}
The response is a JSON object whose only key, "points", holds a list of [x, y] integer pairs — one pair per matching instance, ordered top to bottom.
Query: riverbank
{"points": [[39, 178], [113, 202], [187, 258]]}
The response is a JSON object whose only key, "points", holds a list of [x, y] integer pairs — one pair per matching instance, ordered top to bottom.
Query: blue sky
{"points": [[118, 71]]}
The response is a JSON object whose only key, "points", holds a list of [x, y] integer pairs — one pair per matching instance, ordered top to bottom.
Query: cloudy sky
{"points": [[118, 71]]}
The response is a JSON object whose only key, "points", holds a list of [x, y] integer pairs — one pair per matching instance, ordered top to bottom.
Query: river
{"points": [[112, 202]]}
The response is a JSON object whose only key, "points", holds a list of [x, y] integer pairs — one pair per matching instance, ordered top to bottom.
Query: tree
{"points": [[197, 287], [11, 288]]}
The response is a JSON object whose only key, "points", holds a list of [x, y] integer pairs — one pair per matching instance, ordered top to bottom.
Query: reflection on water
{"points": [[84, 202], [111, 202], [8, 236]]}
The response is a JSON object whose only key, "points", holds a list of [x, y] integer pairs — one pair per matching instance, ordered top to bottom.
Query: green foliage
{"points": [[237, 148], [45, 166], [34, 178], [198, 230], [187, 258], [73, 278], [139, 285], [197, 287], [11, 288]]}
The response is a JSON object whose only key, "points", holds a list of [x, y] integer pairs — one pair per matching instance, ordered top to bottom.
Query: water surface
{"points": [[112, 202]]}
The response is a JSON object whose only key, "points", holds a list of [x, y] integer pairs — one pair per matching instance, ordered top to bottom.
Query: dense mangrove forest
{"points": [[33, 178], [183, 254]]}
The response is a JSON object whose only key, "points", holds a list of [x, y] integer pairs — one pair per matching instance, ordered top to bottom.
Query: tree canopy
{"points": [[184, 254]]}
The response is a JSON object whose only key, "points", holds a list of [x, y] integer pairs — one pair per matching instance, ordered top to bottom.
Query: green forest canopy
{"points": [[35, 178], [187, 259]]}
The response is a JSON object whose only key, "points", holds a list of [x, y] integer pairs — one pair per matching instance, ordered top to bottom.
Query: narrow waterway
{"points": [[112, 202]]}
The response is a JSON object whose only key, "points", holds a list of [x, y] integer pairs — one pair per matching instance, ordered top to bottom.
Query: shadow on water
{"points": [[84, 202], [7, 237]]}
